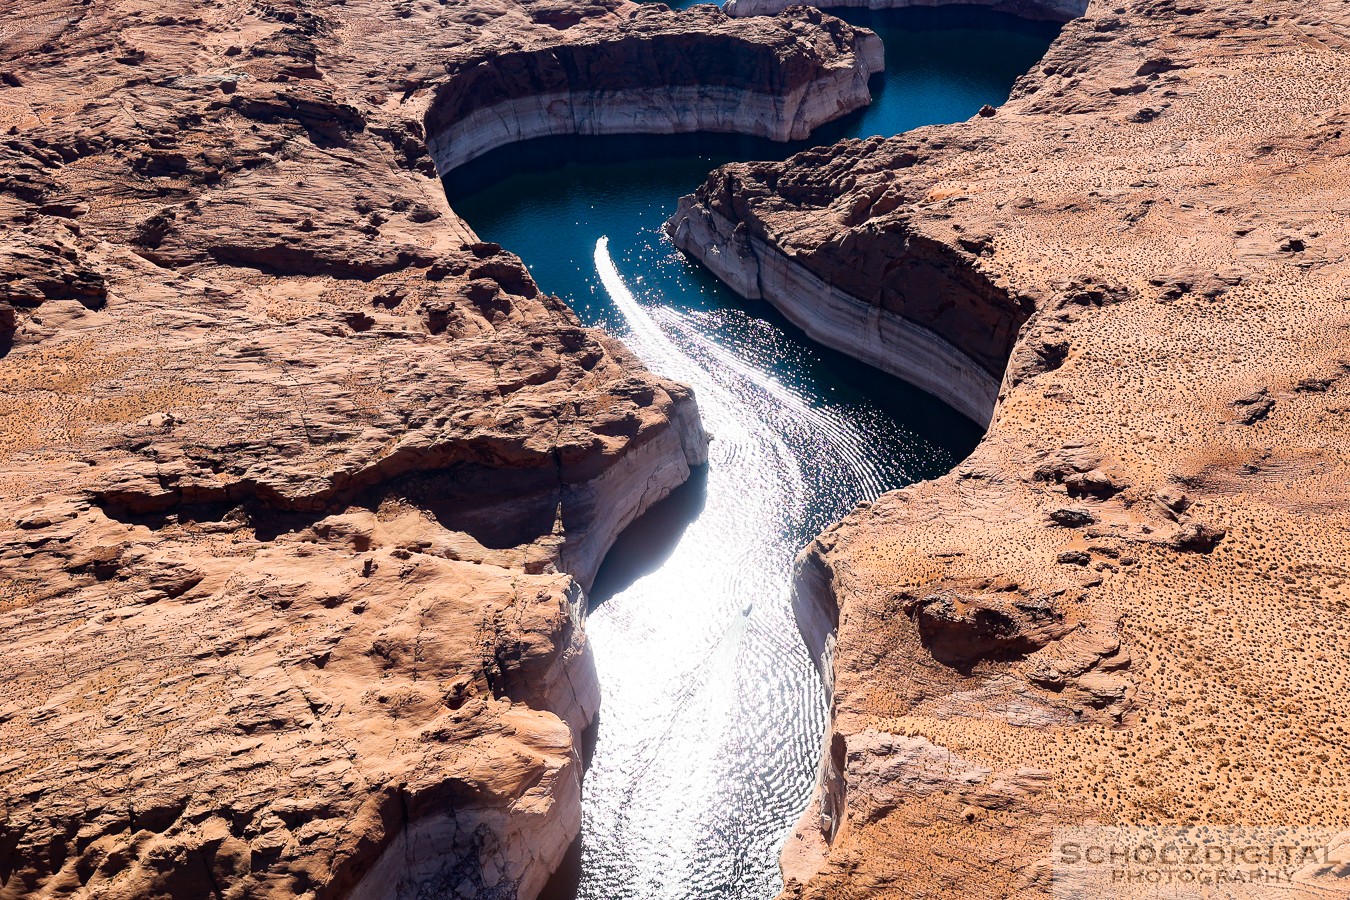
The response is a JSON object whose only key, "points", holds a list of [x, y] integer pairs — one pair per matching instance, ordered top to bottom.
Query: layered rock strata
{"points": [[1054, 10], [772, 78], [910, 311], [300, 483], [1127, 605]]}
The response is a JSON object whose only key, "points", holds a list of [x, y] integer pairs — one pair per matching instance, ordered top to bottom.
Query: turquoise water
{"points": [[712, 714]]}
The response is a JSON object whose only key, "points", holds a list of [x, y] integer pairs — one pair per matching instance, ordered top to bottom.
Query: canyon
{"points": [[303, 485], [1126, 605], [707, 743]]}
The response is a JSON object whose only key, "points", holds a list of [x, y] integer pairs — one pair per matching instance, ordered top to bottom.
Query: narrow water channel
{"points": [[712, 713]]}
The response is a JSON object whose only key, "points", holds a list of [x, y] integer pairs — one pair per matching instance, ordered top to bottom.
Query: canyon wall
{"points": [[1055, 10], [774, 78], [921, 321], [301, 484], [1126, 606]]}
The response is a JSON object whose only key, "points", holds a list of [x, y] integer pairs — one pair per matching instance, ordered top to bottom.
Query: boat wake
{"points": [[713, 712]]}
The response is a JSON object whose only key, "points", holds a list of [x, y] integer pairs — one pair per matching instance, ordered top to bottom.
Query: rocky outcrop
{"points": [[1055, 10], [658, 73], [887, 294], [917, 315], [301, 484], [292, 603], [1117, 609]]}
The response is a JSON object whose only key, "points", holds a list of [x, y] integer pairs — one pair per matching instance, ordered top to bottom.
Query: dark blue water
{"points": [[712, 713]]}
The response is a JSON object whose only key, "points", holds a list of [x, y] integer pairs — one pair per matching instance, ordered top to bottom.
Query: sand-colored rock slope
{"points": [[300, 483], [1129, 605]]}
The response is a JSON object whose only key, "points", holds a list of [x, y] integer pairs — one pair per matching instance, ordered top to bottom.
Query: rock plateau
{"points": [[301, 484], [1128, 605]]}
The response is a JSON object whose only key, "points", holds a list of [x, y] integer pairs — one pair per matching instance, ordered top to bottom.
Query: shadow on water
{"points": [[553, 154], [646, 544], [566, 881]]}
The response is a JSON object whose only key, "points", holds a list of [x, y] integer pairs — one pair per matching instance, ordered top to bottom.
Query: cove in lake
{"points": [[712, 713]]}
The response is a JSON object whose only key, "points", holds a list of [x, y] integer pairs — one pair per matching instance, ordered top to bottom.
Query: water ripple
{"points": [[712, 711]]}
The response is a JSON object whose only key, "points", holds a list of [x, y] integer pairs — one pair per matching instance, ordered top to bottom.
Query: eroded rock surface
{"points": [[1055, 10], [777, 78], [300, 483], [1128, 604]]}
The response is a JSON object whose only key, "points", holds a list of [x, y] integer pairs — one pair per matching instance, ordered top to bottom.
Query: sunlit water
{"points": [[712, 713]]}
